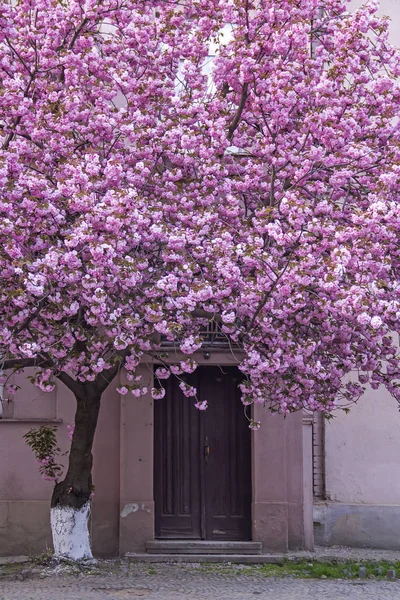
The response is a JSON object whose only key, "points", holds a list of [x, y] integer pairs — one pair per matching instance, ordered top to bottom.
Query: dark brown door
{"points": [[202, 460]]}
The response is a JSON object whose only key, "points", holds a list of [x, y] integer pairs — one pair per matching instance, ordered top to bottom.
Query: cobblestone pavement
{"points": [[342, 553], [183, 582]]}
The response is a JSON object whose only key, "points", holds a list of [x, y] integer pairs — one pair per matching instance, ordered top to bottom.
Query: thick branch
{"points": [[77, 33], [17, 121], [233, 126], [10, 136], [31, 317], [23, 363], [106, 377], [70, 383]]}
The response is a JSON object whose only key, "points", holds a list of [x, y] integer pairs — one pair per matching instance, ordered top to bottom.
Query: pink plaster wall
{"points": [[362, 452], [106, 476], [19, 478], [24, 496], [282, 500], [123, 504]]}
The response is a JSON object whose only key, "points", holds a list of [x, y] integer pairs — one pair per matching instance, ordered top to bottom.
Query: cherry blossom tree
{"points": [[158, 175]]}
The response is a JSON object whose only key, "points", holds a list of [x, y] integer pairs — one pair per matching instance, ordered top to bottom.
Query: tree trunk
{"points": [[70, 503]]}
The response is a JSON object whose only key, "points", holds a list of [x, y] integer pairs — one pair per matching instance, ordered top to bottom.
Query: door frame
{"points": [[181, 434]]}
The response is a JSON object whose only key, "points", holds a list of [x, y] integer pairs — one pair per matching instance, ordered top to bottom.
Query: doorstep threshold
{"points": [[202, 547], [242, 559]]}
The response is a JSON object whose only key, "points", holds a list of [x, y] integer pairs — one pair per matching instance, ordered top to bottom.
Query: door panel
{"points": [[202, 460], [177, 467], [228, 470]]}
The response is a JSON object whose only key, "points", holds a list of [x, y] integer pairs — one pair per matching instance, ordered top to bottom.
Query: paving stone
{"points": [[9, 560], [188, 582]]}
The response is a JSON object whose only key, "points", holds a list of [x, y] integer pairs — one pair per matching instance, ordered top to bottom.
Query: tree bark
{"points": [[76, 488], [70, 503]]}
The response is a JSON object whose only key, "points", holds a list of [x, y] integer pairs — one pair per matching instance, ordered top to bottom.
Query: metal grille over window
{"points": [[212, 336], [318, 431]]}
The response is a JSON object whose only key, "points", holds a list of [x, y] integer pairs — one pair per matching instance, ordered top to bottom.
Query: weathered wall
{"points": [[362, 451], [362, 461], [106, 476], [24, 496], [137, 499], [281, 499]]}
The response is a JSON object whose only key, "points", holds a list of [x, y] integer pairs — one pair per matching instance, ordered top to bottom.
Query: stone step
{"points": [[202, 547], [237, 559]]}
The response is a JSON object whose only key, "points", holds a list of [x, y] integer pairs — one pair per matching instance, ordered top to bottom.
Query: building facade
{"points": [[165, 470]]}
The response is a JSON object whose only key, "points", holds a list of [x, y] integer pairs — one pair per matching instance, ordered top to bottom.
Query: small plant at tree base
{"points": [[43, 442], [44, 558]]}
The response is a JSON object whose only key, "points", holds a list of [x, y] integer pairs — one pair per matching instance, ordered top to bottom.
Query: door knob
{"points": [[206, 450]]}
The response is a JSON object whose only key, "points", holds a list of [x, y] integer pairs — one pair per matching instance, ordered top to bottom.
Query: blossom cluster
{"points": [[143, 196]]}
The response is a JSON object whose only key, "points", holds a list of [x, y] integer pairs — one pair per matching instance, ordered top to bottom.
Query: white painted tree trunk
{"points": [[69, 527]]}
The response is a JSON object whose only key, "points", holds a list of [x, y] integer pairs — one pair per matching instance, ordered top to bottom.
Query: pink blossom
{"points": [[376, 322], [162, 373], [123, 390], [187, 390], [157, 393], [201, 405], [70, 430]]}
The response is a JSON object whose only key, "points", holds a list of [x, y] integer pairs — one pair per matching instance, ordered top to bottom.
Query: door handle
{"points": [[206, 450]]}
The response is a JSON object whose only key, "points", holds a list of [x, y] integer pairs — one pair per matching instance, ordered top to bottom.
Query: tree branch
{"points": [[77, 33], [17, 121], [233, 126], [31, 317], [23, 363], [106, 377], [73, 385]]}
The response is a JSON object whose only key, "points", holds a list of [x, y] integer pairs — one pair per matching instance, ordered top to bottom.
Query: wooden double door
{"points": [[202, 461]]}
